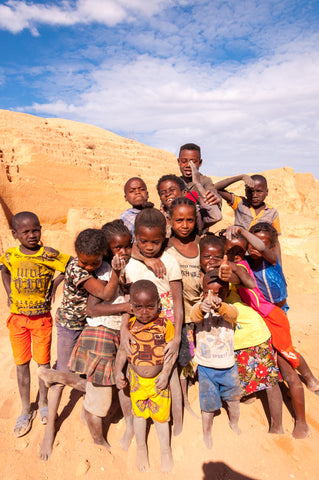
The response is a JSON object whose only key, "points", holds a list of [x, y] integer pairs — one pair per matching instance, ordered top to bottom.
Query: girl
{"points": [[170, 187], [150, 231], [183, 245], [90, 247], [262, 257], [254, 353]]}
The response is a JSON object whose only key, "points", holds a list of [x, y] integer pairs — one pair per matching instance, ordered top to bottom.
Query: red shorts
{"points": [[279, 327], [24, 330]]}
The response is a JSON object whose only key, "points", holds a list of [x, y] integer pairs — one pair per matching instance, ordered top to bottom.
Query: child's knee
{"points": [[97, 399]]}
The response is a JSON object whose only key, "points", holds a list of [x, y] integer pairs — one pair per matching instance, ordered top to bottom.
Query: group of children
{"points": [[151, 300]]}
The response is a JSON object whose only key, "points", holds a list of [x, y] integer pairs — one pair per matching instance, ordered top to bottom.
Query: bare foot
{"points": [[48, 375], [313, 386], [189, 409], [83, 417], [235, 428], [276, 429], [301, 430], [128, 435], [208, 439], [103, 443], [46, 445], [142, 459], [167, 462]]}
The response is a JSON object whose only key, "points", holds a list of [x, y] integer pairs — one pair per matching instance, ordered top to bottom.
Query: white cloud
{"points": [[17, 15], [252, 117]]}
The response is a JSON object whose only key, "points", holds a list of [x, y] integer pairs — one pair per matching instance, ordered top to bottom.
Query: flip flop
{"points": [[44, 415], [24, 423]]}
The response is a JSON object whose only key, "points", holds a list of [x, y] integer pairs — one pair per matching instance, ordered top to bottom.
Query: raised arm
{"points": [[222, 184], [254, 241], [100, 289]]}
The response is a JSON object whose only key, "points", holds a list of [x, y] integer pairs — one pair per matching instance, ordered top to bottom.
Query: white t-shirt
{"points": [[136, 270], [104, 272], [214, 342]]}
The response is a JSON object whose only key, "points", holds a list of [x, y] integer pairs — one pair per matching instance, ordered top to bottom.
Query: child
{"points": [[190, 152], [170, 187], [136, 194], [251, 209], [150, 230], [183, 245], [90, 247], [27, 275], [95, 351], [254, 353], [289, 359], [217, 369], [148, 371]]}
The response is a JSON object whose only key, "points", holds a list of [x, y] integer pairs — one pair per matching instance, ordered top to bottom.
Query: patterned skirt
{"points": [[94, 354], [257, 368]]}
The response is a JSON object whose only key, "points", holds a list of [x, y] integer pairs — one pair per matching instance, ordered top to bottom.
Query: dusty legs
{"points": [[311, 381], [274, 398], [177, 402], [126, 406], [187, 406], [233, 413], [301, 429]]}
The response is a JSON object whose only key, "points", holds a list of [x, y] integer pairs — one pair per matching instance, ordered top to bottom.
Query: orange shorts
{"points": [[24, 330]]}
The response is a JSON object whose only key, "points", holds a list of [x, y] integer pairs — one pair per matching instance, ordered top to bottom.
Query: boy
{"points": [[190, 152], [170, 187], [136, 194], [251, 209], [27, 276], [217, 370], [148, 371]]}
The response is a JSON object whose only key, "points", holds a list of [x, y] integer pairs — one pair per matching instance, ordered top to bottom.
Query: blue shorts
{"points": [[216, 384]]}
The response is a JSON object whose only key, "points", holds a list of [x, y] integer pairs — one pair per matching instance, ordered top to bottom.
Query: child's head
{"points": [[189, 152], [170, 187], [136, 193], [257, 194], [182, 217], [26, 228], [150, 231], [265, 232], [119, 240], [90, 246], [236, 248], [212, 251], [212, 282], [144, 300]]}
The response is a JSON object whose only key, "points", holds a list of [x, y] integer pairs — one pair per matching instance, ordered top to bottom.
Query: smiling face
{"points": [[185, 157], [169, 190], [136, 193], [257, 194], [183, 220], [28, 231], [149, 240], [121, 245], [211, 256], [89, 262], [145, 305]]}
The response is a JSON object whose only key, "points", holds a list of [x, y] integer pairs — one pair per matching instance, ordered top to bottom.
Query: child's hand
{"points": [[249, 182], [211, 198], [232, 232], [117, 263], [156, 265], [225, 270], [211, 302], [171, 350], [120, 380], [161, 382]]}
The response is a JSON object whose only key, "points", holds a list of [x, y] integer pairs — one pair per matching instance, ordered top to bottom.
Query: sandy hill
{"points": [[72, 176]]}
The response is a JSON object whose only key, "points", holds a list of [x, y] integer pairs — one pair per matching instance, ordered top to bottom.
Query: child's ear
{"points": [[200, 161], [14, 234]]}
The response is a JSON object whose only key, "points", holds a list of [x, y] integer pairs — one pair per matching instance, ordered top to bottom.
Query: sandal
{"points": [[44, 415], [24, 423]]}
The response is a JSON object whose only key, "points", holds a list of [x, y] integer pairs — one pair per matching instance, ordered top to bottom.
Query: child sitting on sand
{"points": [[136, 194], [27, 275], [217, 369], [148, 371]]}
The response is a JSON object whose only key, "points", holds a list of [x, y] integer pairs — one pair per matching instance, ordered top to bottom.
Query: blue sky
{"points": [[238, 77]]}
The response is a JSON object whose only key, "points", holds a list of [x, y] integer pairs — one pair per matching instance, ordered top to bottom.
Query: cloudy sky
{"points": [[238, 77]]}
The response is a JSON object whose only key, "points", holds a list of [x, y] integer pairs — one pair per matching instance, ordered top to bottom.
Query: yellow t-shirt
{"points": [[31, 277], [251, 330]]}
